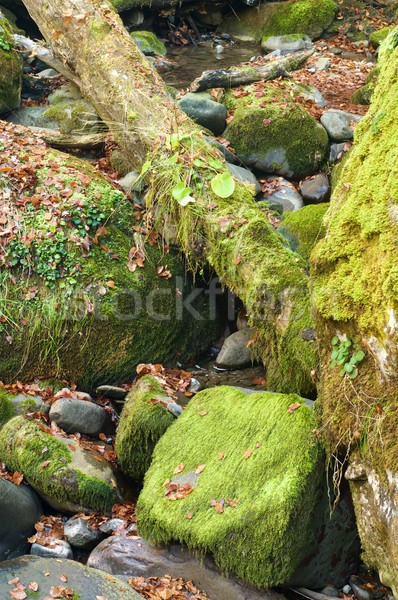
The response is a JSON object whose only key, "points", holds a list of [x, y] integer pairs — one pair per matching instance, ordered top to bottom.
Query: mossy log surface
{"points": [[132, 100]]}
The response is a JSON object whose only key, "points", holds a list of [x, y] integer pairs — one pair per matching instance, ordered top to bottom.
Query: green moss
{"points": [[308, 17], [99, 28], [380, 35], [148, 43], [10, 69], [364, 94], [75, 116], [275, 134], [304, 228], [6, 408], [141, 426], [45, 461], [261, 540]]}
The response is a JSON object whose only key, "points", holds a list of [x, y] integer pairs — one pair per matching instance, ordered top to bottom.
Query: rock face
{"points": [[308, 17], [10, 69], [205, 111], [275, 135], [304, 228], [102, 312], [235, 352], [78, 416], [142, 423], [260, 470], [70, 481], [375, 500], [20, 508], [125, 557], [46, 572]]}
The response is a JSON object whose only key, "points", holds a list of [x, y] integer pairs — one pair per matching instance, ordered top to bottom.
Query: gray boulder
{"points": [[291, 43], [204, 110], [33, 116], [339, 124], [337, 151], [246, 177], [316, 189], [286, 196], [235, 353], [23, 403], [78, 416], [20, 508], [80, 535], [55, 549], [125, 557], [46, 572]]}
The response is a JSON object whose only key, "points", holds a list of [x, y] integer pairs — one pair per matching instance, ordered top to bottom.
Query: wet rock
{"points": [[148, 43], [291, 43], [204, 110], [339, 124], [337, 151], [228, 155], [246, 177], [316, 189], [287, 195], [235, 353], [194, 386], [111, 391], [78, 416], [20, 508], [112, 525], [80, 535], [55, 549], [124, 557], [46, 572], [330, 591], [359, 592]]}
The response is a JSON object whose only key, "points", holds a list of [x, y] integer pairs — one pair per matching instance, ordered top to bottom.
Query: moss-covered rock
{"points": [[307, 17], [377, 37], [148, 43], [10, 69], [364, 94], [75, 117], [275, 135], [304, 228], [355, 293], [74, 304], [6, 408], [142, 424], [255, 470], [71, 481]]}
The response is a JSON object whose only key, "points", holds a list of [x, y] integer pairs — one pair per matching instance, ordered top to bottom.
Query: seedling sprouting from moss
{"points": [[347, 355]]}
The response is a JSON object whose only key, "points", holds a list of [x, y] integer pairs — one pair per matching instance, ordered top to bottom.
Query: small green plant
{"points": [[4, 44], [347, 355]]}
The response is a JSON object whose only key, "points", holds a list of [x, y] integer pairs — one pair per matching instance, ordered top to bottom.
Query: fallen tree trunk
{"points": [[228, 78], [231, 234]]}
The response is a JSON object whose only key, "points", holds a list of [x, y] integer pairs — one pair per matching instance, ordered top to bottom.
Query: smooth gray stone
{"points": [[291, 43], [205, 111], [32, 117], [338, 124], [246, 177], [315, 190], [286, 196], [235, 353], [111, 391], [22, 403], [78, 416], [20, 508], [112, 525], [80, 535], [58, 549], [46, 572]]}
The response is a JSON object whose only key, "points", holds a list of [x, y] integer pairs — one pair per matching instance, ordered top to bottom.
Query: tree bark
{"points": [[228, 78], [231, 234]]}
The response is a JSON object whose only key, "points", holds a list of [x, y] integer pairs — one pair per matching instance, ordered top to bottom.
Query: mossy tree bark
{"points": [[232, 234]]}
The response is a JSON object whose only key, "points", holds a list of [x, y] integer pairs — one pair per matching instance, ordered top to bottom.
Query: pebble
{"points": [[111, 391], [112, 525], [80, 535], [58, 549], [347, 589], [330, 591], [360, 593]]}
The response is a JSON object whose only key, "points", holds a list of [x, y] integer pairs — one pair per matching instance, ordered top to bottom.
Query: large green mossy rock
{"points": [[307, 17], [377, 37], [148, 43], [10, 69], [273, 134], [304, 228], [74, 304], [6, 408], [142, 424], [255, 468], [70, 480], [49, 573]]}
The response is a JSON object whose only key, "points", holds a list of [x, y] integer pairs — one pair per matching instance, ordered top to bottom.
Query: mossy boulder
{"points": [[305, 17], [377, 37], [148, 43], [10, 69], [364, 94], [75, 117], [273, 134], [304, 228], [78, 307], [6, 408], [142, 424], [248, 469], [69, 480]]}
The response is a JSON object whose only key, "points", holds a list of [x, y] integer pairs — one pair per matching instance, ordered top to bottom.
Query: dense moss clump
{"points": [[309, 17], [377, 37], [148, 43], [10, 69], [364, 94], [274, 134], [304, 228], [73, 302], [6, 408], [142, 424], [48, 465], [255, 470]]}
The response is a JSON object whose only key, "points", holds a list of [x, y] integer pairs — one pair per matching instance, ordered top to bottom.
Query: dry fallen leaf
{"points": [[293, 407], [202, 414], [248, 453], [220, 456], [179, 469], [199, 469], [188, 515]]}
